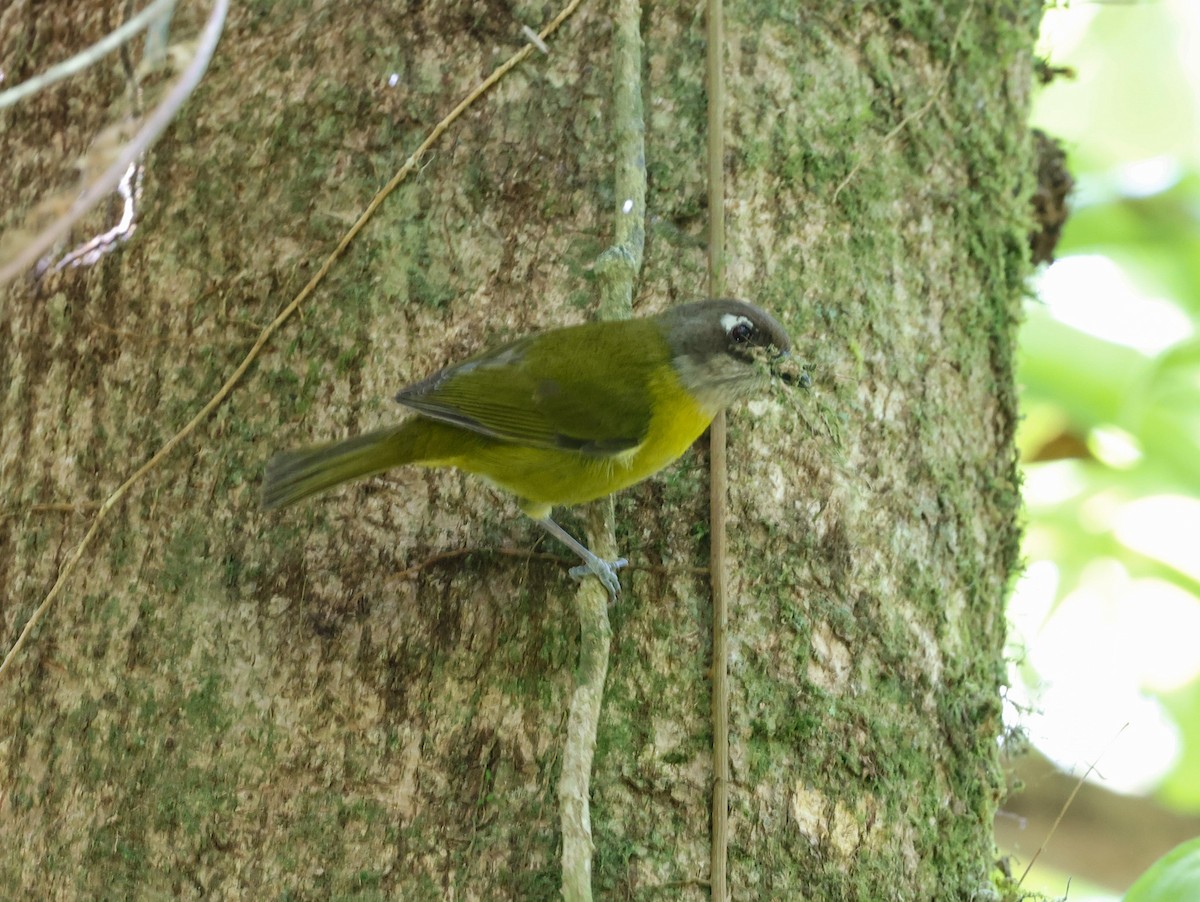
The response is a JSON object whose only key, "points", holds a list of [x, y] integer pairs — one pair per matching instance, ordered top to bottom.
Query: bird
{"points": [[564, 416]]}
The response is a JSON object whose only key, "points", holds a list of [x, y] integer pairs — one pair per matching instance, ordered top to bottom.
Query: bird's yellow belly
{"points": [[542, 478]]}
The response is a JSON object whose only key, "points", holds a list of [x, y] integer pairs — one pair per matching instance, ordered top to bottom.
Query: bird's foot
{"points": [[605, 571]]}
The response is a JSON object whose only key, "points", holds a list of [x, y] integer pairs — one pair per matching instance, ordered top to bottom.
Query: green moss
{"points": [[185, 549]]}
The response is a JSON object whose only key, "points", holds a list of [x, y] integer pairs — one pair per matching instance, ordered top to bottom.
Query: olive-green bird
{"points": [[564, 416]]}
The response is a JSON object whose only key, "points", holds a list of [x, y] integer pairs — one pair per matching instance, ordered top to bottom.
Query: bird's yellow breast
{"points": [[677, 421]]}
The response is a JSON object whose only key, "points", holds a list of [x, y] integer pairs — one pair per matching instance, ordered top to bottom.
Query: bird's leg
{"points": [[605, 571]]}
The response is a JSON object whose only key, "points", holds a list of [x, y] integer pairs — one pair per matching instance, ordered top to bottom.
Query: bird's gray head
{"points": [[725, 350]]}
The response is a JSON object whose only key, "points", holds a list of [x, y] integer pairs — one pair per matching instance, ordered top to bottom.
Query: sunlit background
{"points": [[1105, 623]]}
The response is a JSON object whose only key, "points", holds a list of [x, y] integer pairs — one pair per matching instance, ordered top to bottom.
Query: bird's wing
{"points": [[585, 389]]}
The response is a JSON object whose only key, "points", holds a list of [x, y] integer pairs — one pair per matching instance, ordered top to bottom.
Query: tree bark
{"points": [[367, 695]]}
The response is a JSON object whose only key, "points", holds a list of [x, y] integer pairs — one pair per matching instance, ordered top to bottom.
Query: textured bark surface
{"points": [[322, 701]]}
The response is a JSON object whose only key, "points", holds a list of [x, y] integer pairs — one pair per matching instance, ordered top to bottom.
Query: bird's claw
{"points": [[605, 571]]}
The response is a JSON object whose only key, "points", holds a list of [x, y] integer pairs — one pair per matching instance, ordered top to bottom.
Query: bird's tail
{"points": [[293, 475]]}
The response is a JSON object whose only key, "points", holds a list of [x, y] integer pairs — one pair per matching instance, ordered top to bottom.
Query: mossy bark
{"points": [[320, 702]]}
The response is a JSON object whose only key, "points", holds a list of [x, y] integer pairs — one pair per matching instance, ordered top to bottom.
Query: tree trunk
{"points": [[366, 695]]}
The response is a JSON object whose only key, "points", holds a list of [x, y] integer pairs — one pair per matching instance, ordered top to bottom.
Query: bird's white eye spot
{"points": [[738, 328]]}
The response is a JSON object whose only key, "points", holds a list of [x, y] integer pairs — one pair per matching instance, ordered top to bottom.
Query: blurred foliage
{"points": [[1109, 357], [1173, 878]]}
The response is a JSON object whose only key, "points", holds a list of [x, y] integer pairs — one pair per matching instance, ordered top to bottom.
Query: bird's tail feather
{"points": [[293, 475]]}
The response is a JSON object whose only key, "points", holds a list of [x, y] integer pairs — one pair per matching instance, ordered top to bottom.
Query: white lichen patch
{"points": [[829, 663], [808, 811], [840, 830]]}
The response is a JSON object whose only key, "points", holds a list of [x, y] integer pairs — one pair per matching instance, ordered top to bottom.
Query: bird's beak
{"points": [[790, 370]]}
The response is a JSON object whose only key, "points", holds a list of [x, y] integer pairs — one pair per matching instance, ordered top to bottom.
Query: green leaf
{"points": [[1173, 878]]}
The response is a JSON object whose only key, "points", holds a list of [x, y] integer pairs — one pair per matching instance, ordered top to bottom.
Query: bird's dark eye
{"points": [[741, 332]]}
